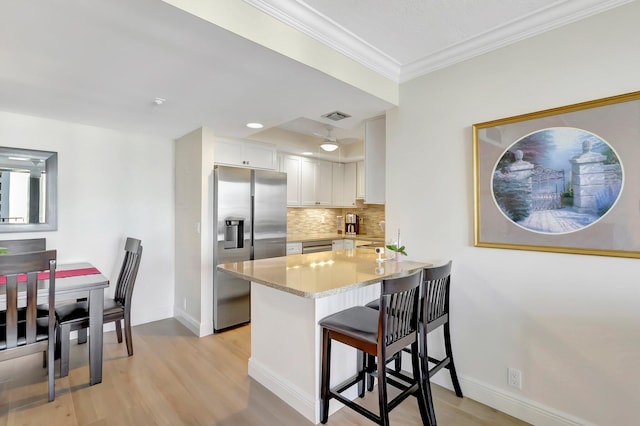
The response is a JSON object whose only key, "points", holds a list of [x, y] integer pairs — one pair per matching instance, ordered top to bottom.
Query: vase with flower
{"points": [[397, 248]]}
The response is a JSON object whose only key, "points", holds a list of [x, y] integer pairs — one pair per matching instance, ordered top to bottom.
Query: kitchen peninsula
{"points": [[289, 295]]}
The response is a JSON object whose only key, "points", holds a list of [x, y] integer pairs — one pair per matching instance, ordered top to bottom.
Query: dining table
{"points": [[75, 281]]}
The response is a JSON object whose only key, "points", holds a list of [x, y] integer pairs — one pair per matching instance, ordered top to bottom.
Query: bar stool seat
{"points": [[378, 334]]}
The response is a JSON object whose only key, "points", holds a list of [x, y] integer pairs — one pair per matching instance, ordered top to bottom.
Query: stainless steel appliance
{"points": [[250, 216], [352, 223]]}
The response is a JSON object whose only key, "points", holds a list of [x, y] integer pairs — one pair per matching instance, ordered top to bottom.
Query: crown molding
{"points": [[300, 16], [552, 17], [321, 28]]}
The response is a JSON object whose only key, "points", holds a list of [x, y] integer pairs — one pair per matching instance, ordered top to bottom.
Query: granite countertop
{"points": [[300, 237], [316, 275]]}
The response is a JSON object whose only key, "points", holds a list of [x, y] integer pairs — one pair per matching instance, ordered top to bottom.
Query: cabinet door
{"points": [[227, 152], [259, 156], [374, 163], [291, 166], [360, 179], [307, 182], [323, 183], [338, 185], [349, 192], [349, 244], [337, 245], [294, 248]]}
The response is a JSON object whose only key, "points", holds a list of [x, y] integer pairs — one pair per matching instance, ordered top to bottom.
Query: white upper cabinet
{"points": [[245, 154], [374, 160], [290, 164], [360, 180], [316, 182], [344, 184]]}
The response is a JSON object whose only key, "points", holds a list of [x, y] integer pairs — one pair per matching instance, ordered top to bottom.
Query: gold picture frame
{"points": [[562, 180]]}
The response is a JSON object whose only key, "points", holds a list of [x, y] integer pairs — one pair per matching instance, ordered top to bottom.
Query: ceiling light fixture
{"points": [[159, 101], [255, 125], [329, 147]]}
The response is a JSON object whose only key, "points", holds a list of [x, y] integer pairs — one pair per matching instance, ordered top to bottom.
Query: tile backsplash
{"points": [[315, 221]]}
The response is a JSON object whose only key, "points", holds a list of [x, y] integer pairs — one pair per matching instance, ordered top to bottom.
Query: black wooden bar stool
{"points": [[436, 287], [378, 334]]}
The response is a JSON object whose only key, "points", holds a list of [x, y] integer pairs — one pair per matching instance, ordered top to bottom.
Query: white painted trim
{"points": [[300, 16], [303, 18], [188, 321], [287, 391], [515, 405]]}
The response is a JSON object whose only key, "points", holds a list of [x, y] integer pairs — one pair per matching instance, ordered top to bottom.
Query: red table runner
{"points": [[59, 274]]}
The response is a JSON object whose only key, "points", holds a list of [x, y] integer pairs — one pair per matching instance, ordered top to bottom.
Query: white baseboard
{"points": [[193, 324], [288, 392], [301, 401], [522, 408]]}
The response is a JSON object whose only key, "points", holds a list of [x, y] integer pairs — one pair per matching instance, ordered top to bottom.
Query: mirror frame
{"points": [[51, 213]]}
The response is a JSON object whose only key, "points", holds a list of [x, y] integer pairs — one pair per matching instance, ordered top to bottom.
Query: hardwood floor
{"points": [[176, 378]]}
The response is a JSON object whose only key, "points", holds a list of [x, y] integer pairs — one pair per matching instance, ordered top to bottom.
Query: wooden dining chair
{"points": [[75, 316], [22, 332], [377, 334]]}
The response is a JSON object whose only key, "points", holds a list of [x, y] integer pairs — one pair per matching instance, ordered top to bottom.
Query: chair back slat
{"points": [[129, 270], [437, 281], [399, 308], [11, 324]]}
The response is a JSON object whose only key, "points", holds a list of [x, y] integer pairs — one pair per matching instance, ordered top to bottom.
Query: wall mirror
{"points": [[28, 190]]}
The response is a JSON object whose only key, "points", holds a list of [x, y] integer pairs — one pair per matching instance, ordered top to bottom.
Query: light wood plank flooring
{"points": [[176, 378]]}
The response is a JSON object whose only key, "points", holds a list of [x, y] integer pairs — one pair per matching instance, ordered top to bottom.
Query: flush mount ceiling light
{"points": [[159, 101], [255, 125], [329, 146]]}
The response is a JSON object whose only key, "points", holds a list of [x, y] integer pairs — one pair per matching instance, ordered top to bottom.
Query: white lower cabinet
{"points": [[349, 244], [337, 245], [294, 248]]}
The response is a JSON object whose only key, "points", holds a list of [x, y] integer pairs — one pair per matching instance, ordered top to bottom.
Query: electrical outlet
{"points": [[514, 377]]}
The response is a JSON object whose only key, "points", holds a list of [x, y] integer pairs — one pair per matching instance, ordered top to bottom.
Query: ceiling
{"points": [[103, 63]]}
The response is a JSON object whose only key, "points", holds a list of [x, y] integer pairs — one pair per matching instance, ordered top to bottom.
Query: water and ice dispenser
{"points": [[233, 233]]}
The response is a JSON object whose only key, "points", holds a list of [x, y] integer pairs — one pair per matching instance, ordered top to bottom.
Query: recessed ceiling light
{"points": [[159, 101], [255, 125], [307, 153]]}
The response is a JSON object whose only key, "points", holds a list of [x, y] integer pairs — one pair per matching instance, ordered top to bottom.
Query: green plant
{"points": [[397, 249]]}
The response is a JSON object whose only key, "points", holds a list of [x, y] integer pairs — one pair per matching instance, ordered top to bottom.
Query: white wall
{"points": [[111, 185], [194, 231], [571, 323]]}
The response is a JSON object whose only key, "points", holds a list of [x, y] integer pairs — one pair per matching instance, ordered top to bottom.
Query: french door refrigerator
{"points": [[250, 216]]}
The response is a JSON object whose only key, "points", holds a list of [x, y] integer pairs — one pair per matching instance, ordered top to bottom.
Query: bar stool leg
{"points": [[362, 366], [451, 366], [326, 372], [418, 377], [425, 380], [382, 391]]}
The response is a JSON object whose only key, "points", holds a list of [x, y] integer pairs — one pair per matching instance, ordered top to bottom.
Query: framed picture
{"points": [[563, 180]]}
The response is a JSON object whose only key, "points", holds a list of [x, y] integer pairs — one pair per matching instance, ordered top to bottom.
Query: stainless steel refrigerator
{"points": [[250, 213]]}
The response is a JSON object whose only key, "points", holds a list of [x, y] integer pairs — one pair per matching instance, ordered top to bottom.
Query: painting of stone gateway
{"points": [[557, 180]]}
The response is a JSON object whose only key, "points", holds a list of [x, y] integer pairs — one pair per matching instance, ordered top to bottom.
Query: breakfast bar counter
{"points": [[289, 295]]}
